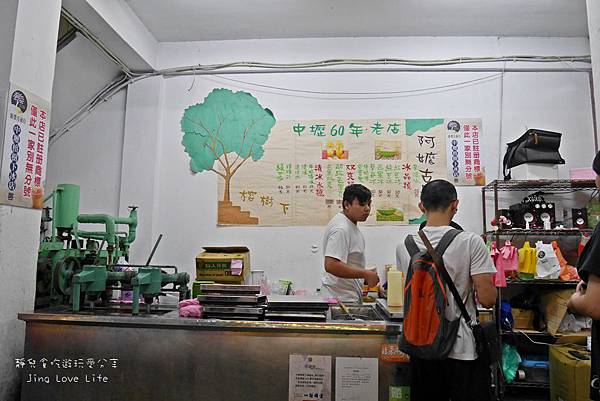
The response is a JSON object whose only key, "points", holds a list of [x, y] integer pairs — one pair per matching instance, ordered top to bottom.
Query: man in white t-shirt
{"points": [[344, 248], [460, 376]]}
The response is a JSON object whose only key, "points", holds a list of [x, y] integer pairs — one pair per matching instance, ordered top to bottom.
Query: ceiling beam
{"points": [[118, 29]]}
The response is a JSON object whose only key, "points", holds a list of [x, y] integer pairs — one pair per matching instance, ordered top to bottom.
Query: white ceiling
{"points": [[197, 20]]}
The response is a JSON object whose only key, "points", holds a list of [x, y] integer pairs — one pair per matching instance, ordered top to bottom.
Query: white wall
{"points": [[593, 13], [128, 26], [7, 31], [28, 48], [417, 48], [81, 71], [90, 154], [141, 160], [185, 204], [11, 330]]}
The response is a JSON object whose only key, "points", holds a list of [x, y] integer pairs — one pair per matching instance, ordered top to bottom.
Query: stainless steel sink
{"points": [[358, 312]]}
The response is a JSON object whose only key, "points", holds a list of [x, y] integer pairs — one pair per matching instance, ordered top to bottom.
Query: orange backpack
{"points": [[426, 333]]}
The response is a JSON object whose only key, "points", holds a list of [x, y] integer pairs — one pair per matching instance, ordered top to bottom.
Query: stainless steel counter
{"points": [[171, 320], [164, 357]]}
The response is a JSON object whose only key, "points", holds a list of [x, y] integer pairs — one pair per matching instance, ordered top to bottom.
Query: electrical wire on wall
{"points": [[330, 65], [199, 68], [219, 70], [375, 93], [343, 96]]}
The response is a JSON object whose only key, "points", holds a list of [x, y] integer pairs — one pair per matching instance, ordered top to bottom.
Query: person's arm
{"points": [[340, 269], [482, 271], [486, 292], [586, 302]]}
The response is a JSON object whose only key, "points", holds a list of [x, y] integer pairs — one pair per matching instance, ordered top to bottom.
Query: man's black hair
{"points": [[356, 191], [437, 195], [452, 224]]}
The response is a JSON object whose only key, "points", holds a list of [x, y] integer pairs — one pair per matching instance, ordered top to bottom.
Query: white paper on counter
{"points": [[310, 378], [356, 379]]}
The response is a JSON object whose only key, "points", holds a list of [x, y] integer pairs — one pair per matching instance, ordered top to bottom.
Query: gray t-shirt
{"points": [[343, 241], [466, 256]]}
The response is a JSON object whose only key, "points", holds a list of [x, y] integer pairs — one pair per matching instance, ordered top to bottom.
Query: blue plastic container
{"points": [[536, 368]]}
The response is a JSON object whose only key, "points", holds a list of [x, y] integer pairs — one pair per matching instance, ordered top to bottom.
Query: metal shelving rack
{"points": [[547, 186], [553, 186], [518, 231]]}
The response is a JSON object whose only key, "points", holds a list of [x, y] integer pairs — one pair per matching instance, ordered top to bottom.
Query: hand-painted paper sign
{"points": [[291, 173]]}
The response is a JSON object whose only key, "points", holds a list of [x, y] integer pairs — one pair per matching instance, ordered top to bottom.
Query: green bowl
{"points": [[387, 153], [386, 212]]}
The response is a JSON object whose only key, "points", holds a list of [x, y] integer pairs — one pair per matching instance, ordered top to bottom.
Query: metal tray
{"points": [[229, 289], [231, 299], [296, 302], [232, 310], [390, 312], [222, 316], [296, 317]]}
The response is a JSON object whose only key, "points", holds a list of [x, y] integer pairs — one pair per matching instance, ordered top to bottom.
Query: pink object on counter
{"points": [[585, 173], [331, 300], [188, 302], [190, 311]]}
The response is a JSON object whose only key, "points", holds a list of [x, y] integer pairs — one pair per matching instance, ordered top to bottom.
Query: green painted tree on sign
{"points": [[225, 131]]}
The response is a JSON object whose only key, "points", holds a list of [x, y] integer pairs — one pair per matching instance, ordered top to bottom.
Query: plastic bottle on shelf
{"points": [[395, 289]]}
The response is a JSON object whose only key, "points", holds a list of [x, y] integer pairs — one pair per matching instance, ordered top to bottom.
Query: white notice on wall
{"points": [[23, 149], [310, 378], [356, 379]]}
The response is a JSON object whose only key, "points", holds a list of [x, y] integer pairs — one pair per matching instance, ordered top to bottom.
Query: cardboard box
{"points": [[535, 171], [215, 264], [555, 305], [523, 318], [569, 373]]}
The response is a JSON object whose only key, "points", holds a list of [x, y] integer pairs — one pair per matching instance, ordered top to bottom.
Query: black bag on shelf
{"points": [[534, 146]]}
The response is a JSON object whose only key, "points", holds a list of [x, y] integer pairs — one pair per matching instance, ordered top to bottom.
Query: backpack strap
{"points": [[446, 241], [411, 246], [439, 263]]}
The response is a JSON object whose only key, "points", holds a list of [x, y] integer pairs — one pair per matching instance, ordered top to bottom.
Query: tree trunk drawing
{"points": [[226, 196], [227, 212]]}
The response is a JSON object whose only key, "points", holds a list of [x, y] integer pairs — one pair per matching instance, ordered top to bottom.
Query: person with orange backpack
{"points": [[439, 329]]}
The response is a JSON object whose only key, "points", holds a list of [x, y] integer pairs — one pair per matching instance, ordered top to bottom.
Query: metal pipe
{"points": [[392, 69], [594, 116], [54, 210], [53, 213], [484, 213], [105, 219], [131, 221], [99, 235], [77, 244], [154, 249], [99, 250], [176, 278]]}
